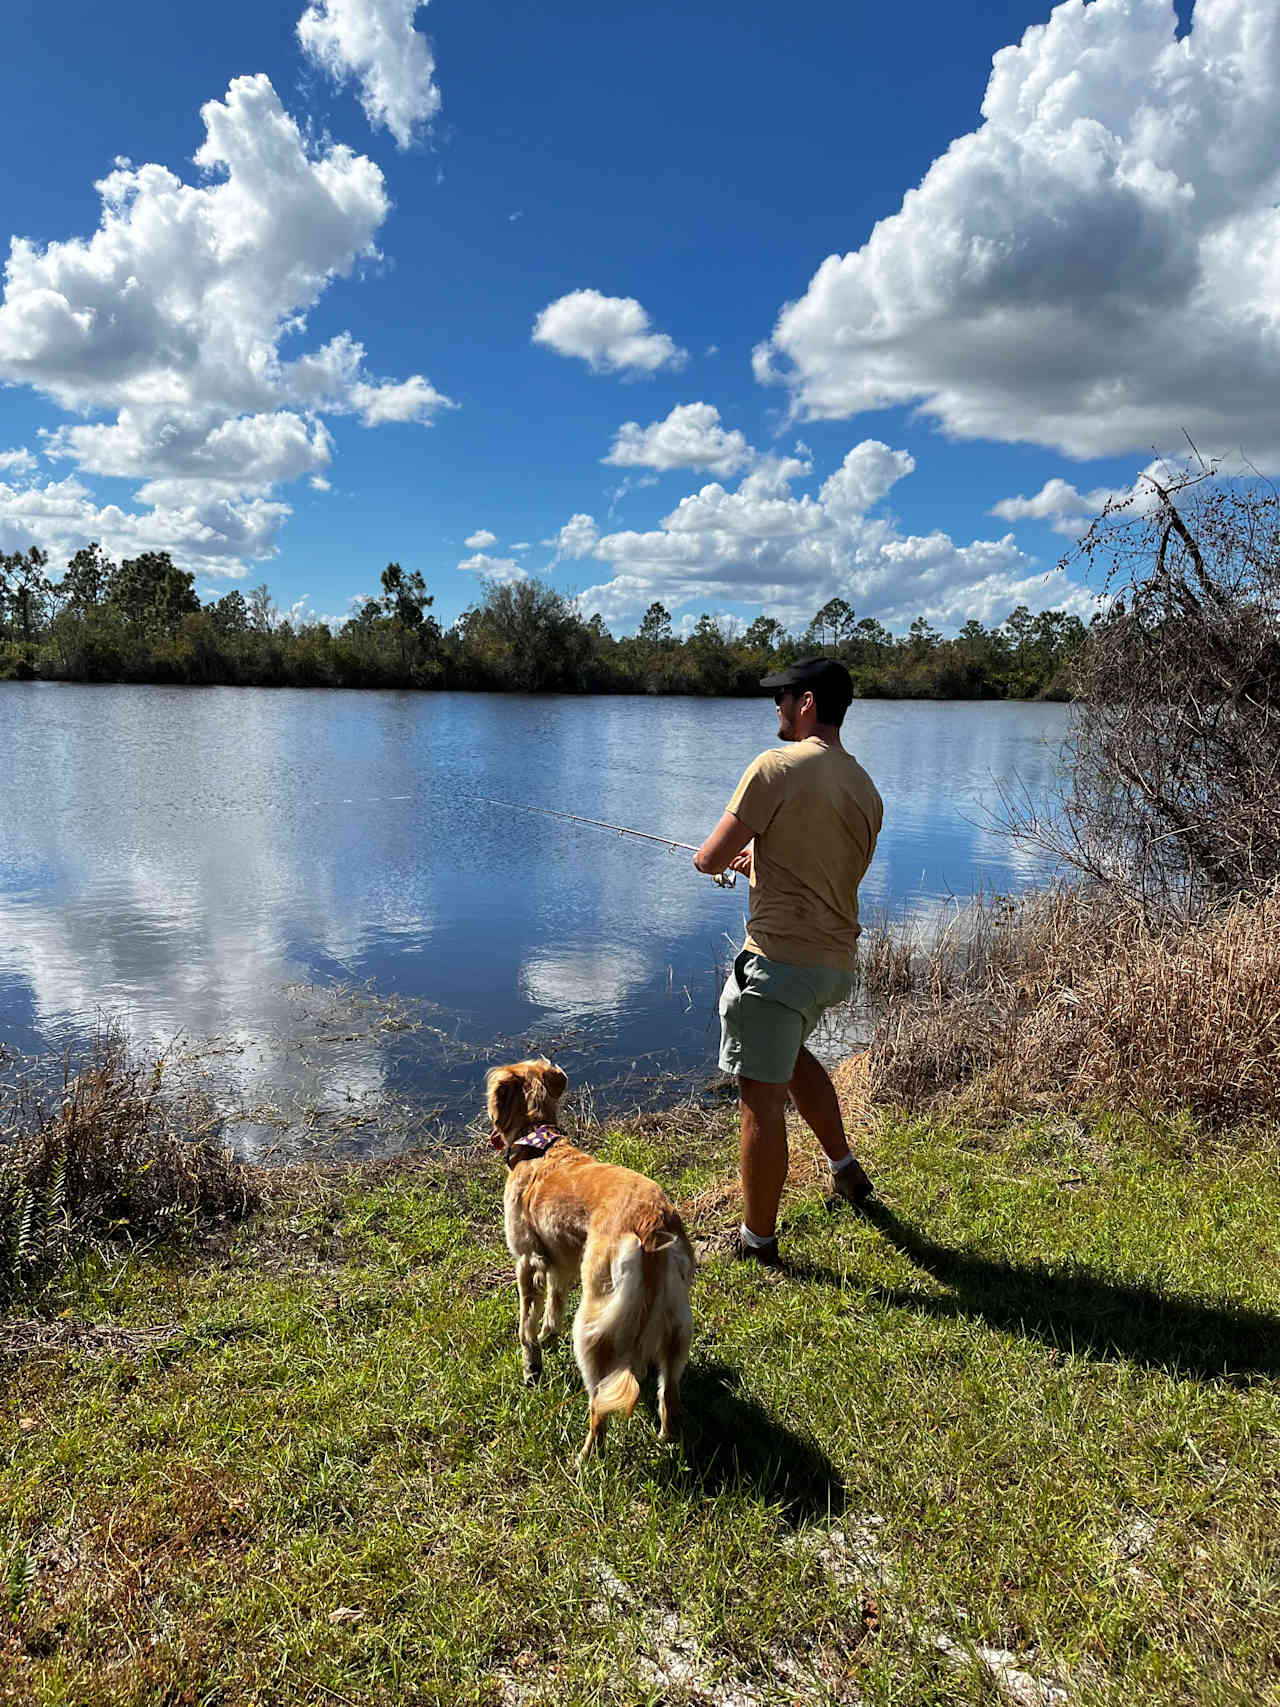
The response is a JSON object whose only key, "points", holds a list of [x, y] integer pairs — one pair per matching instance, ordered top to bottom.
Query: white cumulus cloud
{"points": [[375, 42], [1095, 268], [182, 295], [169, 321], [610, 333], [413, 399], [690, 437], [187, 458], [18, 461], [1059, 503], [1069, 511], [214, 536], [577, 538], [481, 539], [763, 546], [493, 568]]}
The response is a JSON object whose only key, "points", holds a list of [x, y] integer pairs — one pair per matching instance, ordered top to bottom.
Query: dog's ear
{"points": [[555, 1081], [505, 1098]]}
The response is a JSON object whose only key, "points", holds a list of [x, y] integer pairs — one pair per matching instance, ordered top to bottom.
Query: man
{"points": [[813, 815]]}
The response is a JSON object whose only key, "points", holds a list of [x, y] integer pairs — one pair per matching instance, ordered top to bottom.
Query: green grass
{"points": [[1029, 1407]]}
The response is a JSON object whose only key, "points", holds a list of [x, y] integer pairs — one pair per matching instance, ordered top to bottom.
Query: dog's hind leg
{"points": [[530, 1278], [553, 1314], [677, 1337], [675, 1354], [617, 1392], [595, 1433]]}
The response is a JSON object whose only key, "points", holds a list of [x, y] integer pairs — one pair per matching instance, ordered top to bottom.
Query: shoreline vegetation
{"points": [[140, 620], [1010, 1436]]}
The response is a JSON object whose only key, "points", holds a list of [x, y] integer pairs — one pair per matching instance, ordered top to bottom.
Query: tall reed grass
{"points": [[1069, 999], [107, 1150]]}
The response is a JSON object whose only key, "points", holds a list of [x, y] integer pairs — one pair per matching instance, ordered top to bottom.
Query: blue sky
{"points": [[735, 308]]}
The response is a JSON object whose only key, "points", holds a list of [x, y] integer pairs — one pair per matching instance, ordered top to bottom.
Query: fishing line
{"points": [[721, 879]]}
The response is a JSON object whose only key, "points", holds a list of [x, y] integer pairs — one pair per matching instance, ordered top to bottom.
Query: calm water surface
{"points": [[304, 893]]}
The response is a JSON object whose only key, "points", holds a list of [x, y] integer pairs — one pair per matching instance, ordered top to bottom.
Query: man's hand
{"points": [[724, 847], [741, 863]]}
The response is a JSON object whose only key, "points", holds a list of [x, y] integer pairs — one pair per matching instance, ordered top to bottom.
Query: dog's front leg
{"points": [[530, 1278]]}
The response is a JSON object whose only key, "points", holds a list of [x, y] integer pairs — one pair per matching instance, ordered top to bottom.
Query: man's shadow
{"points": [[1073, 1309], [730, 1442]]}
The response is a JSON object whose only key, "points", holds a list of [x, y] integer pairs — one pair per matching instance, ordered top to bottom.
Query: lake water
{"points": [[302, 895]]}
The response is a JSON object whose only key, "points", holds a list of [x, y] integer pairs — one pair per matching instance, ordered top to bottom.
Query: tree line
{"points": [[140, 620]]}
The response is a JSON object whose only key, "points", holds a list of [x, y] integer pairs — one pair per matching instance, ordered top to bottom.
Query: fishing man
{"points": [[812, 815]]}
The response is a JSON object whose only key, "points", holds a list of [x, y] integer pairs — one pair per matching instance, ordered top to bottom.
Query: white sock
{"points": [[842, 1164], [754, 1240]]}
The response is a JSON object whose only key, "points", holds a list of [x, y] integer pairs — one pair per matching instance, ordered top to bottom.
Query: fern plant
{"points": [[28, 1224], [21, 1575]]}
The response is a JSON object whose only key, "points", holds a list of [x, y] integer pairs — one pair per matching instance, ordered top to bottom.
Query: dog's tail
{"points": [[619, 1318], [609, 1338], [617, 1392]]}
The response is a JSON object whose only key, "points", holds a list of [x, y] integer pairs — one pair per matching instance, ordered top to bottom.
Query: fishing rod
{"points": [[721, 879]]}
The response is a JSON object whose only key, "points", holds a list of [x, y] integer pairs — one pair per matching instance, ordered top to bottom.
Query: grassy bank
{"points": [[1013, 1437]]}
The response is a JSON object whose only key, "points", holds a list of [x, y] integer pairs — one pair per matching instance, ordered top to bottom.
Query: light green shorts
{"points": [[768, 1009]]}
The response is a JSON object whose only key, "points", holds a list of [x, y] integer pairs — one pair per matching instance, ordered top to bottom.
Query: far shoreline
{"points": [[745, 693]]}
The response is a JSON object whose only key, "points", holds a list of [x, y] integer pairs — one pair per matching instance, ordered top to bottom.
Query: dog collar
{"points": [[533, 1145]]}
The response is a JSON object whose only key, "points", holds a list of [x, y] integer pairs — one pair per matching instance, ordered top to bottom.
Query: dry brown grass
{"points": [[1068, 1000], [107, 1152]]}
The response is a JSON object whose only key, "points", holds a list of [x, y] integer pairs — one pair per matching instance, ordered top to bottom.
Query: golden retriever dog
{"points": [[569, 1216]]}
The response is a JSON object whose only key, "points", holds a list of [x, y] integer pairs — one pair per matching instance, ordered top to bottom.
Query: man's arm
{"points": [[723, 845]]}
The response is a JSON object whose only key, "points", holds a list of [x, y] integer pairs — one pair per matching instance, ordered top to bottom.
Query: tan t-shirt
{"points": [[815, 815]]}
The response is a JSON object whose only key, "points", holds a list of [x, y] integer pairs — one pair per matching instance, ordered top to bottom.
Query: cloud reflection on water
{"points": [[204, 862], [583, 981]]}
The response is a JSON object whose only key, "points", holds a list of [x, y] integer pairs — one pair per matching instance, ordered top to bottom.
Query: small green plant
{"points": [[29, 1225], [19, 1577]]}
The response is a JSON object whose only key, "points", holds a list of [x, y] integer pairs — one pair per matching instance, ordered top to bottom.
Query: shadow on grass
{"points": [[1076, 1310], [732, 1445]]}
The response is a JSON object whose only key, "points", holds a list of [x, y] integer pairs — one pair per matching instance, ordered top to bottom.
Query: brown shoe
{"points": [[852, 1185]]}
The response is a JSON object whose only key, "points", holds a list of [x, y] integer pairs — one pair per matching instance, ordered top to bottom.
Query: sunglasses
{"points": [[783, 693]]}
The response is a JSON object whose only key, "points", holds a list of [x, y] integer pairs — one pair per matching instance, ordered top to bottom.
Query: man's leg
{"points": [[818, 1106], [762, 1153]]}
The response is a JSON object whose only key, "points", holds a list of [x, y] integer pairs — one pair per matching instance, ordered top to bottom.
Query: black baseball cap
{"points": [[812, 674]]}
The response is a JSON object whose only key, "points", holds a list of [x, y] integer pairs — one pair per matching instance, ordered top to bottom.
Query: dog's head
{"points": [[523, 1095]]}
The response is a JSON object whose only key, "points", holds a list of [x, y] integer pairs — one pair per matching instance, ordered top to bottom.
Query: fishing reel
{"points": [[725, 879]]}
